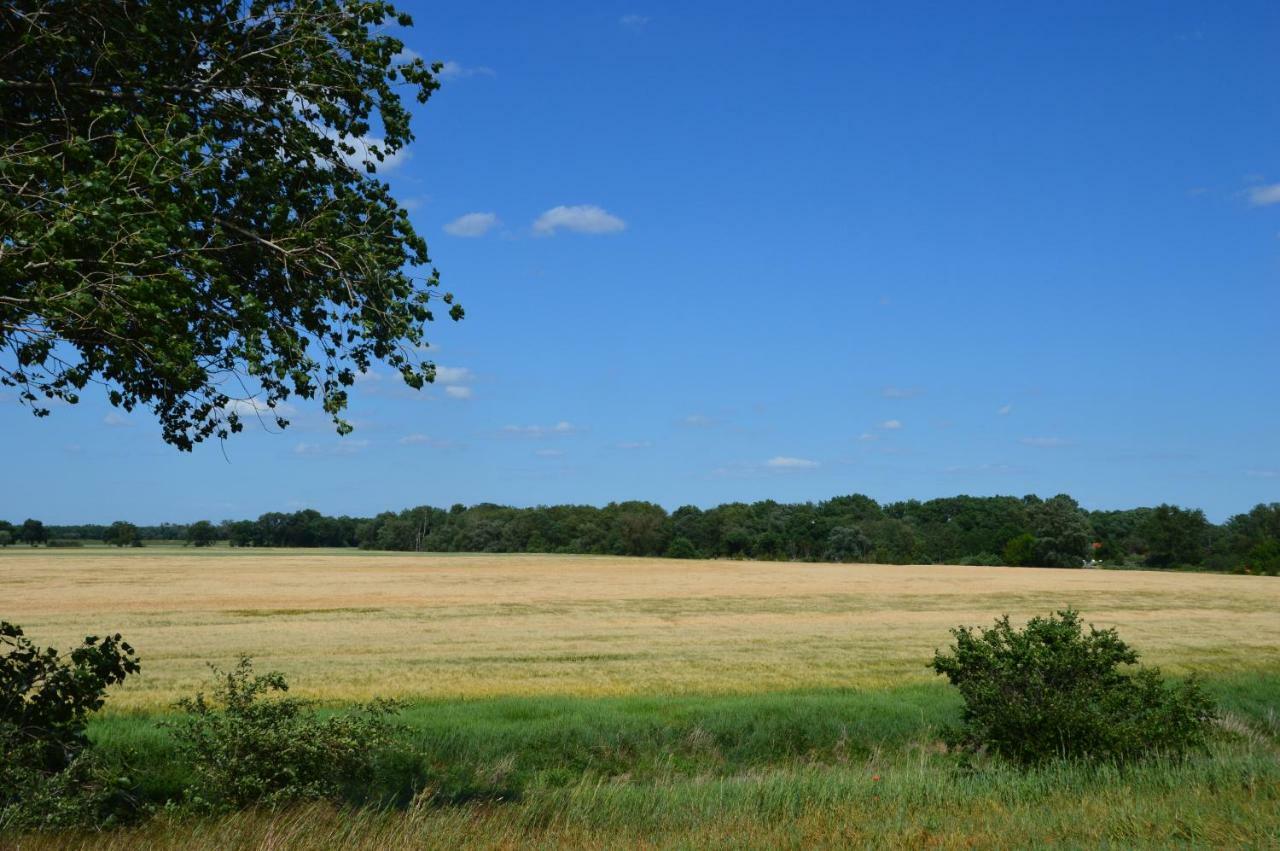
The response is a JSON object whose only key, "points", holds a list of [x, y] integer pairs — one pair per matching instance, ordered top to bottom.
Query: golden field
{"points": [[347, 625]]}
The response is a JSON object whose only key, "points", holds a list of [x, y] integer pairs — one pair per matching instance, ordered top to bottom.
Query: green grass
{"points": [[629, 767]]}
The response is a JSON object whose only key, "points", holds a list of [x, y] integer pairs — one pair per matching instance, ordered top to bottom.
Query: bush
{"points": [[681, 547], [1051, 691], [247, 748], [48, 777]]}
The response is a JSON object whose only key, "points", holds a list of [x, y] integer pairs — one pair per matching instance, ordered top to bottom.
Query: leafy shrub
{"points": [[681, 547], [1020, 551], [1050, 691], [247, 748], [48, 777]]}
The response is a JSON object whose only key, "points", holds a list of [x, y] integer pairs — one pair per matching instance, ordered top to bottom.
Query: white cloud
{"points": [[633, 21], [405, 56], [456, 71], [1265, 196], [582, 218], [472, 224], [453, 374], [457, 391], [900, 392], [253, 407], [1005, 410], [116, 421], [698, 421], [891, 425], [562, 427], [867, 436], [1045, 442], [634, 444], [344, 447], [549, 453], [783, 462], [1263, 474]]}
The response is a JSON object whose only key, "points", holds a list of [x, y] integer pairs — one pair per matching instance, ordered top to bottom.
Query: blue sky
{"points": [[715, 252]]}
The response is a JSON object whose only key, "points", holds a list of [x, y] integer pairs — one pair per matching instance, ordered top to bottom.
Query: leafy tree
{"points": [[190, 195], [1061, 530], [33, 532], [121, 534], [201, 534], [1174, 536], [6, 538], [846, 543], [681, 547], [1021, 550]]}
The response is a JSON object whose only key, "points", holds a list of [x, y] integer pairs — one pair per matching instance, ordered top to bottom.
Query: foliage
{"points": [[190, 206], [1061, 530], [1016, 531], [33, 532], [122, 534], [201, 534], [1174, 536], [6, 537], [846, 543], [681, 547], [1021, 550], [1049, 690], [247, 748], [48, 777]]}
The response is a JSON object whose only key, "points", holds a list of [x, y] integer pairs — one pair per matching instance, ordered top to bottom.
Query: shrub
{"points": [[681, 547], [1050, 690], [247, 748], [48, 775]]}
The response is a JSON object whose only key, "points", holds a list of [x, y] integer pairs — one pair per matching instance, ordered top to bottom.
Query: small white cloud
{"points": [[633, 21], [405, 56], [457, 71], [1265, 196], [582, 218], [472, 224], [453, 374], [368, 377], [457, 391], [900, 392], [252, 407], [1005, 410], [114, 420], [698, 421], [891, 425], [562, 427], [868, 436], [423, 440], [1045, 442], [634, 444], [343, 447], [549, 453], [784, 462], [1263, 474]]}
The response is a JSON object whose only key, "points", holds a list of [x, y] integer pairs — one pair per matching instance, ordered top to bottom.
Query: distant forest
{"points": [[999, 530]]}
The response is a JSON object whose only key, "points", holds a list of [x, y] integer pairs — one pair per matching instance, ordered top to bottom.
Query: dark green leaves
{"points": [[189, 209]]}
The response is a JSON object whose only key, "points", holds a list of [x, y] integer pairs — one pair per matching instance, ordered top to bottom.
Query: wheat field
{"points": [[347, 625]]}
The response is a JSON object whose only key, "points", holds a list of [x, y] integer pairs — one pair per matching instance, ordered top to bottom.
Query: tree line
{"points": [[998, 530]]}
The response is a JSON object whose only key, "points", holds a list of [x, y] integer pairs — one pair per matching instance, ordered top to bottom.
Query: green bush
{"points": [[681, 547], [1050, 690], [247, 748], [48, 775]]}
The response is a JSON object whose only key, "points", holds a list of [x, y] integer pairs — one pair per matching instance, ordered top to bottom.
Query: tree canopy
{"points": [[190, 212]]}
